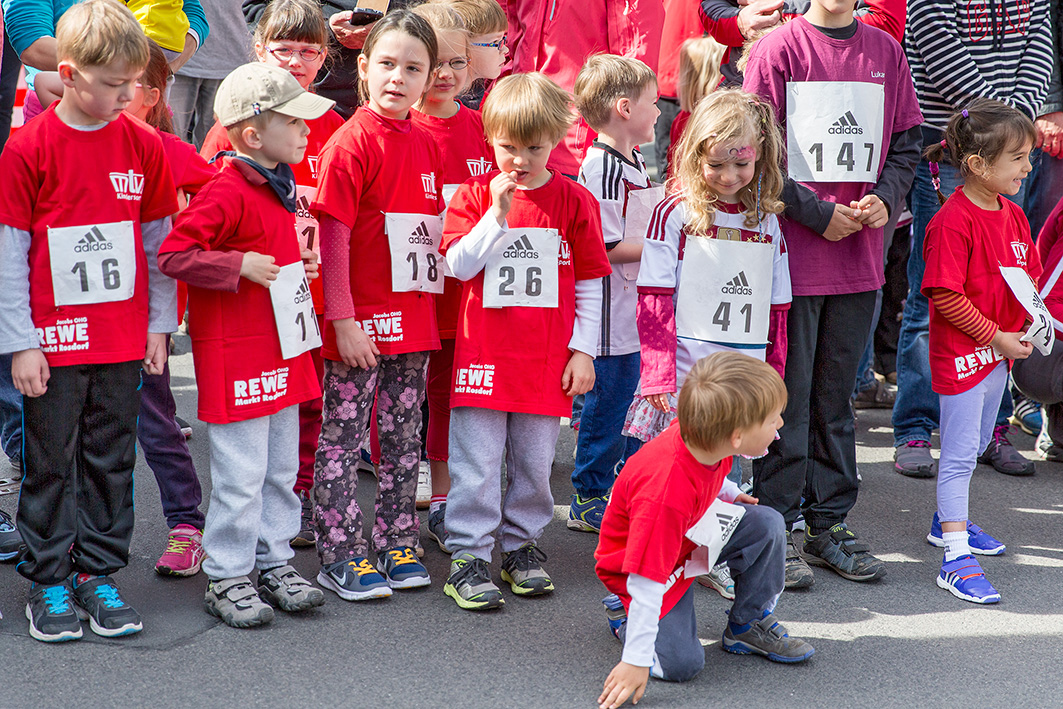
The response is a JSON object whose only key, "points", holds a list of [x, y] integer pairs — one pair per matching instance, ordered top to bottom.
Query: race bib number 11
{"points": [[834, 130]]}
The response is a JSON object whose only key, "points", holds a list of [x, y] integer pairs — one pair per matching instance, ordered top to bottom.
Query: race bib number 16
{"points": [[834, 130], [93, 264]]}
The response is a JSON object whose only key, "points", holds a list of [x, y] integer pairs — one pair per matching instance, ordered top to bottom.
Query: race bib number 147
{"points": [[834, 130]]}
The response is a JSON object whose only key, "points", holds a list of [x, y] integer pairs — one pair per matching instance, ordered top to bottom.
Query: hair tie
{"points": [[964, 112], [935, 178]]}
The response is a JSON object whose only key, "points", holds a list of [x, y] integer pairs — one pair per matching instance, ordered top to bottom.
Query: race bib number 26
{"points": [[834, 130], [522, 270]]}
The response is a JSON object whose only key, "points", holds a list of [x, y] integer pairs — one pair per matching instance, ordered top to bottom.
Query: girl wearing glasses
{"points": [[486, 23], [292, 34]]}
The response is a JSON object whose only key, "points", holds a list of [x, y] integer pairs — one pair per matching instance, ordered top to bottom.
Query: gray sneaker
{"points": [[914, 460], [437, 527], [523, 570], [798, 572], [719, 580], [470, 585], [284, 588], [236, 602], [767, 637]]}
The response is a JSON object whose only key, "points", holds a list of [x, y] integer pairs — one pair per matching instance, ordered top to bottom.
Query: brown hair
{"points": [[480, 16], [294, 21], [410, 23], [100, 33], [699, 70], [156, 76], [606, 78], [525, 107], [724, 116], [985, 128], [727, 392]]}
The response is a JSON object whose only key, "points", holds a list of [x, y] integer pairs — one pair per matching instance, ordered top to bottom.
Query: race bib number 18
{"points": [[834, 130], [415, 261], [93, 264]]}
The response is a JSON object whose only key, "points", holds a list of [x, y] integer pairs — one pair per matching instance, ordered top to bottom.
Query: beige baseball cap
{"points": [[255, 88]]}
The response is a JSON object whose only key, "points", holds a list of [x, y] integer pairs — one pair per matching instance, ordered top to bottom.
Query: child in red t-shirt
{"points": [[292, 35], [459, 133], [87, 201], [378, 203], [528, 243], [976, 324], [252, 327], [730, 404]]}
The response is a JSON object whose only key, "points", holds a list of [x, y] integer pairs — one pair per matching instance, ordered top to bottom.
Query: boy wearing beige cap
{"points": [[253, 326]]}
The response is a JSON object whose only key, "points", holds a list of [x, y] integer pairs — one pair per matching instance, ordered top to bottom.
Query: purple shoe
{"points": [[965, 579]]}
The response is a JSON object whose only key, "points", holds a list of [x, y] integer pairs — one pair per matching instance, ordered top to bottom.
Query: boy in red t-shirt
{"points": [[87, 201], [528, 243], [253, 326], [730, 404]]}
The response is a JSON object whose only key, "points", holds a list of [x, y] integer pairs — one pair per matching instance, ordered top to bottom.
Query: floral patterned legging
{"points": [[397, 383]]}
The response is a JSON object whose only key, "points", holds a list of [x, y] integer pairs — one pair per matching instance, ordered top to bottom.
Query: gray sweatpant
{"points": [[475, 506], [253, 510]]}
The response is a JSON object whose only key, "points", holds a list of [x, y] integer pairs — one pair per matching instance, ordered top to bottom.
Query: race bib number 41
{"points": [[834, 130], [93, 264], [522, 270]]}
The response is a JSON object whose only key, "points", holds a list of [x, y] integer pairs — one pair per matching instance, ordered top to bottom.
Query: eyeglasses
{"points": [[493, 45], [284, 54], [457, 63]]}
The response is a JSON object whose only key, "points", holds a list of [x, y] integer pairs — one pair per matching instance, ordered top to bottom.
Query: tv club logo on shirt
{"points": [[846, 125], [312, 161], [480, 166], [428, 181], [127, 185], [93, 241], [521, 248], [1020, 249], [737, 285]]}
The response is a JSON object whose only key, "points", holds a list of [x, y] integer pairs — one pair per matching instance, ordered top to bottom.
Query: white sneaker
{"points": [[424, 485], [719, 580]]}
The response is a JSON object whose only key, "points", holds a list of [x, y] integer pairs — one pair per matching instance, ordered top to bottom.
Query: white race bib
{"points": [[834, 130], [448, 193], [637, 214], [306, 228], [415, 261], [93, 264], [522, 270], [730, 301], [293, 310], [1041, 332], [712, 532]]}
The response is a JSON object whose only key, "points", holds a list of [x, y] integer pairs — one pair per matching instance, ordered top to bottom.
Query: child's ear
{"points": [[260, 51], [363, 67], [66, 73], [152, 97], [623, 107], [250, 137], [976, 165], [736, 439]]}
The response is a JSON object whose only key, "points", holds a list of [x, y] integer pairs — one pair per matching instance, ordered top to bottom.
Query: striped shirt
{"points": [[955, 54]]}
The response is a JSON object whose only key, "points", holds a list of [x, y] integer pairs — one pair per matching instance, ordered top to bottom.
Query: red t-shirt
{"points": [[321, 129], [466, 154], [373, 166], [187, 167], [53, 176], [964, 248], [524, 348], [240, 373], [661, 493]]}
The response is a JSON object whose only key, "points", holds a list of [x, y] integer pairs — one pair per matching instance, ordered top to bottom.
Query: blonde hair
{"points": [[479, 16], [101, 33], [699, 70], [603, 80], [524, 107], [726, 116], [727, 392]]}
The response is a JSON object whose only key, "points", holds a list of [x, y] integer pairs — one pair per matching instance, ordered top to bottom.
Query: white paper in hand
{"points": [[639, 210], [1041, 333], [713, 530]]}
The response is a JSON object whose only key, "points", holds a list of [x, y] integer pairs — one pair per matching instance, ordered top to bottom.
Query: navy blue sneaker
{"points": [[1027, 414], [585, 514], [437, 527], [10, 539], [977, 539], [402, 569], [354, 580], [100, 603], [614, 611], [51, 613]]}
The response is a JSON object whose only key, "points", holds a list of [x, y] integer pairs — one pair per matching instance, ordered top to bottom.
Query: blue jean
{"points": [[1044, 188], [865, 372], [10, 411], [916, 411], [600, 445]]}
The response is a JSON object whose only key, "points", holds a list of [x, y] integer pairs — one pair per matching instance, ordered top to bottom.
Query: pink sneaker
{"points": [[184, 552]]}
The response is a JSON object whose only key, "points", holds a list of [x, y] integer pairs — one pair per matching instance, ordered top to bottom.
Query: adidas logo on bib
{"points": [[846, 125], [127, 185], [420, 235], [93, 241], [521, 248], [738, 285], [303, 294]]}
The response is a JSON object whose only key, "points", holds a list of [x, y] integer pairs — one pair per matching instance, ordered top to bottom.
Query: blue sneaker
{"points": [[1027, 415], [585, 515], [977, 539], [402, 569], [964, 579], [354, 580], [99, 602], [614, 611], [51, 613], [766, 637]]}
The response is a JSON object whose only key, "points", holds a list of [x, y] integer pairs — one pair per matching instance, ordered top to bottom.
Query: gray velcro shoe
{"points": [[284, 588], [236, 602], [767, 637]]}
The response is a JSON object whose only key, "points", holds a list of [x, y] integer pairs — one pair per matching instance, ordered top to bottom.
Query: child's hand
{"points": [[503, 186], [871, 211], [841, 224], [310, 263], [259, 268], [1009, 345], [356, 349], [155, 353], [29, 370], [579, 374], [659, 402], [747, 499], [621, 682]]}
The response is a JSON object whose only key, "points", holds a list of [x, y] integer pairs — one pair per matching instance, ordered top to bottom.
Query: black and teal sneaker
{"points": [[10, 539], [839, 550], [99, 602], [51, 613]]}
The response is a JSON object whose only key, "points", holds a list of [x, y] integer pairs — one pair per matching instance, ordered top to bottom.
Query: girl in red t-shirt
{"points": [[292, 34], [459, 133], [378, 203], [976, 324]]}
